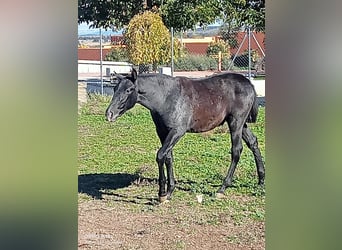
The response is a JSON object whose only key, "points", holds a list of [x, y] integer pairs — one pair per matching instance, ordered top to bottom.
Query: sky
{"points": [[83, 29]]}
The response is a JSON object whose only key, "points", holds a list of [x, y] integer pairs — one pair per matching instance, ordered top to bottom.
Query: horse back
{"points": [[214, 98]]}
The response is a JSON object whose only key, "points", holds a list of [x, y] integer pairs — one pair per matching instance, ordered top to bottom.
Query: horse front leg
{"points": [[164, 155], [162, 178]]}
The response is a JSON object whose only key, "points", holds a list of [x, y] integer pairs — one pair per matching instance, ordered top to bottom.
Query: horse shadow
{"points": [[95, 185]]}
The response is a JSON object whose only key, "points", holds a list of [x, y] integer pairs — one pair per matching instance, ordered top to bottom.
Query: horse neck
{"points": [[150, 92]]}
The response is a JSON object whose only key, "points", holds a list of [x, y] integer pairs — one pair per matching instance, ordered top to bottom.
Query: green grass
{"points": [[261, 77], [200, 162]]}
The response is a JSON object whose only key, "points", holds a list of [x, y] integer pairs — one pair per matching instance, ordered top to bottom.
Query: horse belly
{"points": [[208, 104], [205, 119]]}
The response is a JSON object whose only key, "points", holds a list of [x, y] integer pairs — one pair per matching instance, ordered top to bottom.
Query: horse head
{"points": [[124, 97]]}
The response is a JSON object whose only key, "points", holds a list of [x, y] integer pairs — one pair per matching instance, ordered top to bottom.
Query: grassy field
{"points": [[129, 145], [117, 164]]}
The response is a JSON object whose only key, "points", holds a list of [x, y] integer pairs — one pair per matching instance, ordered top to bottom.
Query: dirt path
{"points": [[108, 224]]}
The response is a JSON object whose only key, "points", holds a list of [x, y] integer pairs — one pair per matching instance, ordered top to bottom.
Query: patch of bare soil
{"points": [[82, 94], [110, 224]]}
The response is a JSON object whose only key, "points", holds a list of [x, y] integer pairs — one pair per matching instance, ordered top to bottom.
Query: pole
{"points": [[256, 41], [172, 44], [237, 52], [249, 53], [219, 61], [101, 76]]}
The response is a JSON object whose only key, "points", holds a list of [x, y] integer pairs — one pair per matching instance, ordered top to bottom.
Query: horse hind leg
{"points": [[235, 128], [162, 133], [252, 143], [170, 175]]}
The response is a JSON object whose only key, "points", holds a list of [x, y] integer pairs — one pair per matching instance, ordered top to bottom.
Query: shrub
{"points": [[148, 40], [215, 47], [118, 54], [241, 61], [195, 62], [225, 63]]}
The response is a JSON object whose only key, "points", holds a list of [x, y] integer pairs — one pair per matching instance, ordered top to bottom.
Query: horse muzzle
{"points": [[110, 116]]}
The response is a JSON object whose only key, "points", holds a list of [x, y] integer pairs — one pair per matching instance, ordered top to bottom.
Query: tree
{"points": [[244, 13], [113, 14], [179, 14], [186, 14], [240, 14], [253, 14], [148, 40]]}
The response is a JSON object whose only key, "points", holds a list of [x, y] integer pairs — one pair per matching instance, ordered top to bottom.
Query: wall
{"points": [[199, 46], [92, 53], [88, 66]]}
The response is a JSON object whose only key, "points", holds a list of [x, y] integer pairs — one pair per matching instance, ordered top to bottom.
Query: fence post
{"points": [[172, 52], [249, 53], [219, 61], [101, 76]]}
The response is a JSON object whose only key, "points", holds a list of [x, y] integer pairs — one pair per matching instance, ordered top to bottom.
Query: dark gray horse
{"points": [[179, 105]]}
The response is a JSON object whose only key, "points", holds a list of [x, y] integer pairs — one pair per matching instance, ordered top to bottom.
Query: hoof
{"points": [[261, 184], [220, 196], [163, 199]]}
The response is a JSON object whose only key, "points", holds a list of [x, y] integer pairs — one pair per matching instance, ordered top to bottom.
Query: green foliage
{"points": [[243, 13], [107, 14], [112, 14], [180, 14], [252, 14], [183, 15], [148, 40], [215, 47], [178, 50], [117, 54], [190, 62], [195, 62], [225, 63]]}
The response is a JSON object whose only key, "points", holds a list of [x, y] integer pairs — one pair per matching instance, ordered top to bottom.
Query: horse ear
{"points": [[115, 75], [134, 75], [115, 78]]}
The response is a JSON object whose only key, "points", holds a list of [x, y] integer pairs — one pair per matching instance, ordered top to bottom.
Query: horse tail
{"points": [[253, 113]]}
